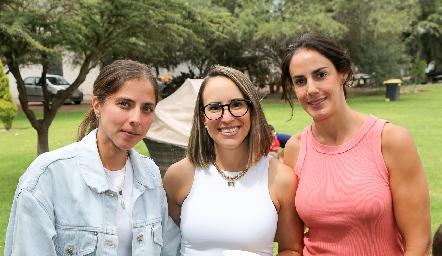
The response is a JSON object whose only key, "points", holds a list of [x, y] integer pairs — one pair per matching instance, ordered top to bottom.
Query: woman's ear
{"points": [[344, 77], [96, 106], [203, 118]]}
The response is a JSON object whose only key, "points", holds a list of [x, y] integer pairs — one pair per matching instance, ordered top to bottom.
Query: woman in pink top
{"points": [[362, 189]]}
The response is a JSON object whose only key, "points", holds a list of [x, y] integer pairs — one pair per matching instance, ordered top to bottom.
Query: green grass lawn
{"points": [[419, 112]]}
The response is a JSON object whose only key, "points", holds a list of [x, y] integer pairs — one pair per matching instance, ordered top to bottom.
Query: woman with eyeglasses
{"points": [[228, 193]]}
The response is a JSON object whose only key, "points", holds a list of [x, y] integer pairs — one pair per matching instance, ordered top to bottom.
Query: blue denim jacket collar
{"points": [[89, 159]]}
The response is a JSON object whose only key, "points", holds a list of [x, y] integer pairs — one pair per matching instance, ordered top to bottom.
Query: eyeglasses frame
{"points": [[249, 103]]}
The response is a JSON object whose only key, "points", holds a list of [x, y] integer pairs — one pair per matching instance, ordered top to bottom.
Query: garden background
{"points": [[419, 112]]}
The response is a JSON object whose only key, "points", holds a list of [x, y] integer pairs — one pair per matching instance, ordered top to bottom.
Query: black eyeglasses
{"points": [[237, 108]]}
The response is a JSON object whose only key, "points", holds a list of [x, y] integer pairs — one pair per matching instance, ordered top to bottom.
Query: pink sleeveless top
{"points": [[344, 195]]}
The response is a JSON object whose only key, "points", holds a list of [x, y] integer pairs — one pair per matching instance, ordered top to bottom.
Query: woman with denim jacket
{"points": [[98, 196]]}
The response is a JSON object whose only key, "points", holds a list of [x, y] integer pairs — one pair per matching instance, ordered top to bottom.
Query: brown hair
{"points": [[330, 49], [109, 81], [200, 149]]}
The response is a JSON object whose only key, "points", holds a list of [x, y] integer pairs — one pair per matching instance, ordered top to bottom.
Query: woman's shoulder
{"points": [[396, 138], [294, 140], [291, 150], [42, 165], [182, 166], [179, 172], [280, 172], [178, 180], [282, 182]]}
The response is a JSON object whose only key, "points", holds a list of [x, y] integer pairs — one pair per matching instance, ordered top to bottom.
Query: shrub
{"points": [[417, 71], [8, 110]]}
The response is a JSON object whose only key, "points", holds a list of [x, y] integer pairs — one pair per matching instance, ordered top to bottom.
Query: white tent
{"points": [[173, 115], [167, 138]]}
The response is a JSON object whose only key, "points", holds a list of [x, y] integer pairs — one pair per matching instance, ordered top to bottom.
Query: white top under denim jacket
{"points": [[63, 206]]}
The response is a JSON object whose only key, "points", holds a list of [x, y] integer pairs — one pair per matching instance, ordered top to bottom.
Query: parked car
{"points": [[362, 80], [55, 83]]}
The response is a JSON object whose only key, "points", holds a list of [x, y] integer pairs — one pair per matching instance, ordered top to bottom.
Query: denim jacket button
{"points": [[95, 233], [140, 238], [70, 250]]}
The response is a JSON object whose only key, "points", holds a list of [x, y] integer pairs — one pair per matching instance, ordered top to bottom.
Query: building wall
{"points": [[70, 73]]}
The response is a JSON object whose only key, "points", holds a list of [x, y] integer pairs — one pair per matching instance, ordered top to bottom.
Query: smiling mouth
{"points": [[316, 102], [229, 130]]}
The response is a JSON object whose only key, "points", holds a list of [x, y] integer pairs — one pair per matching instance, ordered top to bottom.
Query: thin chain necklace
{"points": [[231, 180], [119, 188]]}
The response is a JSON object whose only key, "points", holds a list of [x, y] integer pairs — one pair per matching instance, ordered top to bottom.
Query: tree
{"points": [[269, 26], [36, 32], [424, 34], [374, 35], [216, 40], [417, 72], [8, 110]]}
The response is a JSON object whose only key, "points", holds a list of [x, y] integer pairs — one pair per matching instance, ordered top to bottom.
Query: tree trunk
{"points": [[272, 87], [43, 138]]}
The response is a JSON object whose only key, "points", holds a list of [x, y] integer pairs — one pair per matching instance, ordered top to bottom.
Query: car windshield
{"points": [[58, 81]]}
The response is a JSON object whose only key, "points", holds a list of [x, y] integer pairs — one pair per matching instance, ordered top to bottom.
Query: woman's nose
{"points": [[227, 116], [135, 118]]}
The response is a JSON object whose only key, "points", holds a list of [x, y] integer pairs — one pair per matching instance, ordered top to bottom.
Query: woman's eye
{"points": [[322, 74], [299, 81], [123, 104], [237, 104], [214, 107], [148, 109]]}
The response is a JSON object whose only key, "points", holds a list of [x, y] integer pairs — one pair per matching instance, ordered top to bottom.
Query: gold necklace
{"points": [[230, 180], [118, 188]]}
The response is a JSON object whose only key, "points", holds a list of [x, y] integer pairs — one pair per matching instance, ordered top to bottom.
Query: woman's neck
{"points": [[338, 129], [112, 157], [232, 159]]}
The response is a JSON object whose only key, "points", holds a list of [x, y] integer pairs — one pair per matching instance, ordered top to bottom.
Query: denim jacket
{"points": [[63, 206]]}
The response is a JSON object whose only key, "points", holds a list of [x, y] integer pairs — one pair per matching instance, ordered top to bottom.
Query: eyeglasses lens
{"points": [[237, 108]]}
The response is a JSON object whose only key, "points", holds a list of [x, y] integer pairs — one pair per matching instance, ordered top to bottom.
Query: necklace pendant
{"points": [[231, 183], [123, 205]]}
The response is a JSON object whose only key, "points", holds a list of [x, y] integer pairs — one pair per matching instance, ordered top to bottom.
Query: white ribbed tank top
{"points": [[216, 217]]}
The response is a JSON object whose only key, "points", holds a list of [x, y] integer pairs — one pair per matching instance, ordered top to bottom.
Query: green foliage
{"points": [[272, 25], [94, 32], [424, 33], [380, 35], [374, 36], [216, 38], [417, 71], [8, 110], [424, 126]]}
